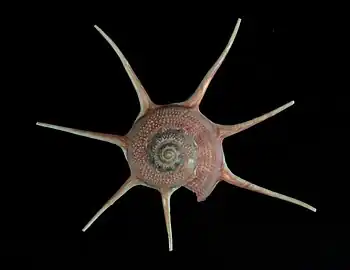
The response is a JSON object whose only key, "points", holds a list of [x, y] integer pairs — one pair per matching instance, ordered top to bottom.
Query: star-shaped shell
{"points": [[175, 145]]}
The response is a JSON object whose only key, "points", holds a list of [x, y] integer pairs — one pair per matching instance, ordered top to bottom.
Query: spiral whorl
{"points": [[170, 149]]}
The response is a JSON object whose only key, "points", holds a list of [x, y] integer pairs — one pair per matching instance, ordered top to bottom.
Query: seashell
{"points": [[175, 145]]}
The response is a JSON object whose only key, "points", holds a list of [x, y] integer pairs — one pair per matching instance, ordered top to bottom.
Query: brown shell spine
{"points": [[173, 146]]}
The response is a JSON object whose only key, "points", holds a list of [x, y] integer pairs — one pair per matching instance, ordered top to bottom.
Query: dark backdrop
{"points": [[274, 59]]}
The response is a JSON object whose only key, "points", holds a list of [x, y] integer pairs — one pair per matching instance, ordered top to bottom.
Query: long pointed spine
{"points": [[198, 95], [144, 99], [228, 130], [121, 141], [230, 178], [130, 183], [166, 194]]}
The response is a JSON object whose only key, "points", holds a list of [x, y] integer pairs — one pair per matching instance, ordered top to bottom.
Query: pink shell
{"points": [[170, 146], [202, 178]]}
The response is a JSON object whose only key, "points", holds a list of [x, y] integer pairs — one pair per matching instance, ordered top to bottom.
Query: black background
{"points": [[274, 59]]}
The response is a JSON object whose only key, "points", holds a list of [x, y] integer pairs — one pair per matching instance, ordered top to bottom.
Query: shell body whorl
{"points": [[174, 146]]}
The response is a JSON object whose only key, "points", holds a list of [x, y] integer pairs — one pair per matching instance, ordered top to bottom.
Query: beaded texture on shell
{"points": [[189, 130], [175, 145]]}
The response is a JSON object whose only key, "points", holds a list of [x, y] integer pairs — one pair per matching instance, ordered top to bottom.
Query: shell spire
{"points": [[175, 145]]}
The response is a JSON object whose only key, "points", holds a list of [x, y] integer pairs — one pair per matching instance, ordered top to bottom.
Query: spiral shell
{"points": [[175, 146], [171, 149]]}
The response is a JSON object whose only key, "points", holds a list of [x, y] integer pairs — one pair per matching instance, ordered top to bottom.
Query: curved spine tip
{"points": [[144, 100], [195, 100], [229, 130], [121, 141], [235, 180], [130, 183], [166, 195]]}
